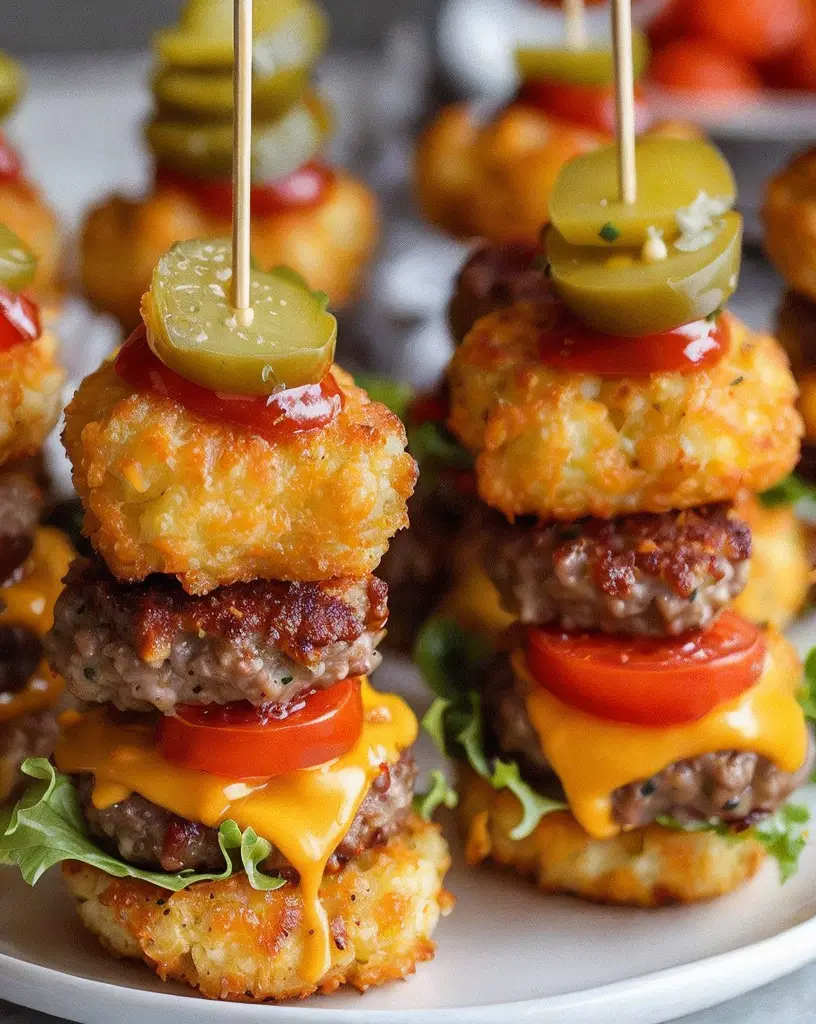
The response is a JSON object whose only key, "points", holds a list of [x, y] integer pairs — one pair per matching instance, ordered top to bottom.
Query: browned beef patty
{"points": [[495, 276], [20, 507], [658, 575], [147, 644], [29, 735], [725, 785], [145, 834]]}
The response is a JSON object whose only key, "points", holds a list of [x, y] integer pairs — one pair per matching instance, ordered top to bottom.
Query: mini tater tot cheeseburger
{"points": [[489, 173], [22, 206], [306, 214], [33, 558], [631, 738], [235, 803]]}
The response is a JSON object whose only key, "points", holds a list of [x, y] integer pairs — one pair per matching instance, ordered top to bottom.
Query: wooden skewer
{"points": [[576, 24], [624, 99], [241, 160]]}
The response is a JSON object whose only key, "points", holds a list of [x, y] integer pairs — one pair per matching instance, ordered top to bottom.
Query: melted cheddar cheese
{"points": [[29, 602], [593, 756], [304, 814]]}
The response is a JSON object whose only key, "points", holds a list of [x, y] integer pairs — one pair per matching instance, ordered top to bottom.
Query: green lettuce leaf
{"points": [[394, 394], [432, 443], [788, 492], [451, 659], [807, 694], [439, 793], [46, 827], [782, 834]]}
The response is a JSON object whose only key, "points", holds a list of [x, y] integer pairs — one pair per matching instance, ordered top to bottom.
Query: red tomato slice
{"points": [[591, 106], [10, 166], [304, 189], [19, 320], [576, 348], [275, 417], [645, 680], [240, 741]]}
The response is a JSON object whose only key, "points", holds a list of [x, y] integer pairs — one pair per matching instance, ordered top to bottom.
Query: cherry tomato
{"points": [[669, 23], [754, 29], [697, 65], [796, 69], [590, 106], [11, 168], [304, 189], [19, 320], [578, 349], [432, 407], [276, 418], [645, 680], [245, 742]]}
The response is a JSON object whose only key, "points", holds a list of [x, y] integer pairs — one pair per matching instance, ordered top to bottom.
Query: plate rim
{"points": [[796, 951]]}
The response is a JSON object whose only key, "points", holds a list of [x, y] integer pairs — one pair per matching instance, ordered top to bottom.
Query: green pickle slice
{"points": [[286, 33], [592, 66], [12, 84], [208, 94], [278, 147], [671, 175], [17, 261], [619, 293], [193, 330]]}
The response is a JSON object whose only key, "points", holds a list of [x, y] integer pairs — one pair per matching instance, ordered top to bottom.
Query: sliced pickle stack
{"points": [[591, 66], [12, 84], [191, 128], [670, 258], [17, 261], [192, 326]]}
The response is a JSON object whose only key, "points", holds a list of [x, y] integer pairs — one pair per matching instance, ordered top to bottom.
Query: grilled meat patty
{"points": [[495, 276], [20, 507], [651, 574], [150, 644], [30, 735], [727, 785], [145, 834]]}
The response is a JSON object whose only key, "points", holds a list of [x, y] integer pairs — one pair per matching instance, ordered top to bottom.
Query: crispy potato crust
{"points": [[493, 180], [23, 209], [790, 223], [123, 239], [796, 330], [30, 396], [563, 445], [167, 491], [779, 575], [647, 867], [233, 942]]}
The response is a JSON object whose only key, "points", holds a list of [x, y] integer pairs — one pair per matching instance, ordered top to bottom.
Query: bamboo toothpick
{"points": [[576, 24], [624, 98], [241, 160]]}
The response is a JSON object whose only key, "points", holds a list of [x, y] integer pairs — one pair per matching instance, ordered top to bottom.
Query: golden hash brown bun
{"points": [[494, 180], [23, 209], [790, 223], [123, 240], [796, 330], [30, 395], [564, 445], [168, 491], [779, 574], [647, 867], [245, 945]]}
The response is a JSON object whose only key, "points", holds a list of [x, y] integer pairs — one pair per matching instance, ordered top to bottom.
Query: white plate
{"points": [[507, 955]]}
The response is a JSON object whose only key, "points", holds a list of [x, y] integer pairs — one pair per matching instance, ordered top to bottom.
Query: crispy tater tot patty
{"points": [[790, 223], [30, 395], [562, 445], [168, 491], [646, 867], [233, 942]]}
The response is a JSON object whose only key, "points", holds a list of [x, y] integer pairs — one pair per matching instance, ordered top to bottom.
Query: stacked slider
{"points": [[33, 558], [636, 738], [240, 797]]}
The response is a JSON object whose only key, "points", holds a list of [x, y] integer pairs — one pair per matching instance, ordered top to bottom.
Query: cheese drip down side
{"points": [[593, 757], [304, 814]]}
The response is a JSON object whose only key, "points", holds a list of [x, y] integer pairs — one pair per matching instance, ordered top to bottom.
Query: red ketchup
{"points": [[590, 106], [11, 168], [303, 189], [19, 320], [578, 349], [276, 417]]}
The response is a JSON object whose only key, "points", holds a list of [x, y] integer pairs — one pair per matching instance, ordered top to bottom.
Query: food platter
{"points": [[507, 953]]}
